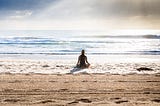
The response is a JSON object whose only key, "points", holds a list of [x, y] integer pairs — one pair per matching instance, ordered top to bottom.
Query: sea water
{"points": [[68, 42], [107, 53]]}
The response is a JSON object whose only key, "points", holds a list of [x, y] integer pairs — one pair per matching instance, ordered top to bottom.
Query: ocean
{"points": [[64, 42], [68, 42], [57, 51]]}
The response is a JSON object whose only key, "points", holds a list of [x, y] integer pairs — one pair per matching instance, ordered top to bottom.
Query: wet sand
{"points": [[79, 89]]}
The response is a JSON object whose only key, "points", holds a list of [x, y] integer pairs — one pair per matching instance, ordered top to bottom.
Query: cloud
{"points": [[125, 8], [82, 9], [103, 9], [81, 13], [20, 14]]}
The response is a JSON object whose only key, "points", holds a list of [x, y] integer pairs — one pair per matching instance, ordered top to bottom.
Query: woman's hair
{"points": [[82, 52]]}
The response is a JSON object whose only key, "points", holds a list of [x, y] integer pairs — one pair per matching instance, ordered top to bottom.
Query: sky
{"points": [[79, 14]]}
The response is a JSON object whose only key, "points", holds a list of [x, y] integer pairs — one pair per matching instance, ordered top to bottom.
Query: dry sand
{"points": [[56, 83], [79, 90]]}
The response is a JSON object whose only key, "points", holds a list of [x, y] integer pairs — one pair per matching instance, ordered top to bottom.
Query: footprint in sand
{"points": [[45, 66], [144, 69], [15, 81], [52, 81], [84, 81], [64, 89], [8, 90], [36, 90], [120, 90], [117, 98], [13, 100], [81, 100], [156, 100], [44, 101], [121, 101]]}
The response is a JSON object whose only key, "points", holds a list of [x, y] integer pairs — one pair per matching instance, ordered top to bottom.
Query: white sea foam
{"points": [[99, 64]]}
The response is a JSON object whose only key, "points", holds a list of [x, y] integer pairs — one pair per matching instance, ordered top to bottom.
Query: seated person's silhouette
{"points": [[82, 61]]}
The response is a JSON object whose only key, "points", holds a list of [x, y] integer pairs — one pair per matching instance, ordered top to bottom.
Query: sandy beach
{"points": [[58, 83], [79, 90]]}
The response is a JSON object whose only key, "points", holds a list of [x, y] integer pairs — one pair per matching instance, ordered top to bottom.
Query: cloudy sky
{"points": [[79, 14]]}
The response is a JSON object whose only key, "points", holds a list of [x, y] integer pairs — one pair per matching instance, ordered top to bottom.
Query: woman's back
{"points": [[82, 60]]}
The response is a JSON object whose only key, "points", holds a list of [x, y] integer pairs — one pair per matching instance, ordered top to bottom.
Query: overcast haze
{"points": [[79, 14]]}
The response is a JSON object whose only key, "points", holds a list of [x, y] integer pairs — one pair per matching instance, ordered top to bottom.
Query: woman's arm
{"points": [[78, 60], [87, 60]]}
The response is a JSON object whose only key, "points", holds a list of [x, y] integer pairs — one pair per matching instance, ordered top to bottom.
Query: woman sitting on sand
{"points": [[82, 61]]}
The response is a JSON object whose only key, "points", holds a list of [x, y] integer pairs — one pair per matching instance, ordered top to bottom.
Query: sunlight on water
{"points": [[72, 42]]}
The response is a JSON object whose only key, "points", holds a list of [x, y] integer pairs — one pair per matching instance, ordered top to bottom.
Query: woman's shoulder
{"points": [[82, 56]]}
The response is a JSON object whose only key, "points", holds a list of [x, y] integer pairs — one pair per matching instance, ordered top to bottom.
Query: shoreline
{"points": [[74, 57], [66, 65]]}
